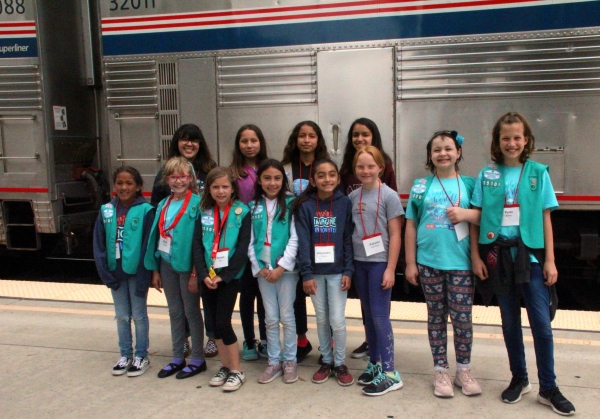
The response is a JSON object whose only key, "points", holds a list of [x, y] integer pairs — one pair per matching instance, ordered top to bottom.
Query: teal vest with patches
{"points": [[419, 191], [530, 199], [234, 222], [280, 230], [132, 236], [182, 238]]}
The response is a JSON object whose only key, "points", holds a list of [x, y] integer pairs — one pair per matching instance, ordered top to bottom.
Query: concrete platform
{"points": [[57, 356]]}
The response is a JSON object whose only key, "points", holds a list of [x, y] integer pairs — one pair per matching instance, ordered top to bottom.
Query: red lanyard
{"points": [[309, 172], [516, 190], [448, 196], [360, 207], [269, 214], [163, 215], [319, 217], [218, 228]]}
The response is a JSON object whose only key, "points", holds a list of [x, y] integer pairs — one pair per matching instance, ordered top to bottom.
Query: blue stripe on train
{"points": [[514, 19], [18, 47]]}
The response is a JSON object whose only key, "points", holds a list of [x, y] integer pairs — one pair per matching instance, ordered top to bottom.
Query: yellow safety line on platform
{"points": [[493, 336]]}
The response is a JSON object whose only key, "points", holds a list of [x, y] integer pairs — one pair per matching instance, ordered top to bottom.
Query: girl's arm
{"points": [[389, 177], [457, 215], [394, 230], [348, 247], [305, 248], [410, 250], [198, 252], [252, 255], [100, 256], [240, 256], [288, 260], [477, 263], [550, 271], [144, 275]]}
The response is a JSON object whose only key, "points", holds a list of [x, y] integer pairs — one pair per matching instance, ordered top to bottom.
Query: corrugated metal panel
{"points": [[498, 66], [131, 85], [20, 87], [168, 109]]}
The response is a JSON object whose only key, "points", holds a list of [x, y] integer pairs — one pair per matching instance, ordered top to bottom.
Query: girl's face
{"points": [[361, 136], [307, 139], [512, 142], [249, 144], [188, 148], [444, 153], [367, 171], [325, 179], [271, 181], [179, 182], [126, 188], [221, 190]]}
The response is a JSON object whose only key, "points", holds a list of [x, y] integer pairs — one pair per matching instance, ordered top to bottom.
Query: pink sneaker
{"points": [[465, 379], [442, 384]]}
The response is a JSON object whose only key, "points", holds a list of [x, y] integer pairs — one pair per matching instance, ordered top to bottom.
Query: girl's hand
{"points": [[456, 214], [479, 268], [264, 272], [412, 273], [550, 273], [275, 274], [389, 278], [156, 281], [216, 281], [346, 282], [193, 283], [209, 284], [310, 287]]}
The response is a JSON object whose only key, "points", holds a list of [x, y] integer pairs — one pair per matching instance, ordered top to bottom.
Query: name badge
{"points": [[511, 215], [462, 230], [164, 244], [373, 244], [118, 252], [324, 253], [265, 254], [222, 259]]}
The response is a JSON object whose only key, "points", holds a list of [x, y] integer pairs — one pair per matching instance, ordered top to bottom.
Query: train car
{"points": [[50, 189]]}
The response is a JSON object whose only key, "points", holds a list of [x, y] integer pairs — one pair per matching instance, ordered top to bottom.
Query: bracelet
{"points": [[193, 274]]}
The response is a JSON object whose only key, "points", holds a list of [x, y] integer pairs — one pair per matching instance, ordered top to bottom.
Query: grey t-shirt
{"points": [[389, 207]]}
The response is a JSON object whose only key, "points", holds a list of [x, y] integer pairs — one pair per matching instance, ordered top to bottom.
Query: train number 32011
{"points": [[131, 4], [11, 7]]}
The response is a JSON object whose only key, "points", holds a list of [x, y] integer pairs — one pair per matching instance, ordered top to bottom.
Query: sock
{"points": [[302, 342], [175, 361], [195, 362], [463, 366], [440, 368], [391, 374]]}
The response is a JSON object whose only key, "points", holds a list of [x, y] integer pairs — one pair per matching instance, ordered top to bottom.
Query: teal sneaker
{"points": [[262, 350], [249, 354], [369, 375], [382, 384]]}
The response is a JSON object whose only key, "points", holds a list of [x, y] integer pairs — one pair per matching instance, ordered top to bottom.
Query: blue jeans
{"points": [[278, 300], [537, 302], [128, 306], [330, 308]]}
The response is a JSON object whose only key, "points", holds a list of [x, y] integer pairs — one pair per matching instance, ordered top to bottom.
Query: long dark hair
{"points": [[350, 151], [291, 152], [238, 159], [203, 160], [218, 172], [137, 178], [310, 190], [283, 192]]}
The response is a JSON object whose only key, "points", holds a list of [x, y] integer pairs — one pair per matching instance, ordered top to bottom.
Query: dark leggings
{"points": [[248, 292], [220, 304], [300, 310]]}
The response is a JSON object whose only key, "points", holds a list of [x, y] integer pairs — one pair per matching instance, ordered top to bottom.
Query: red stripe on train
{"points": [[25, 190], [579, 198]]}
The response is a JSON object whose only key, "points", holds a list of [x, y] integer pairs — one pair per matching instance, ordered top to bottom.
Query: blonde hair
{"points": [[374, 152], [180, 164]]}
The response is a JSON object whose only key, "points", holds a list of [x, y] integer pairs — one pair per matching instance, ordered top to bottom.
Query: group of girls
{"points": [[307, 228]]}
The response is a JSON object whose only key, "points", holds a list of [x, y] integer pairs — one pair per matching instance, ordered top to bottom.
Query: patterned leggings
{"points": [[448, 291]]}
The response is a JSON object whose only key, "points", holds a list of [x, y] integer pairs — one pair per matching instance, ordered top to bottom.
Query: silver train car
{"points": [[414, 67]]}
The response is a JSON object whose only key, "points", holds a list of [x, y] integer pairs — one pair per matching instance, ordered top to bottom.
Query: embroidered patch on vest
{"points": [[491, 174], [533, 183], [418, 188], [238, 210], [491, 235]]}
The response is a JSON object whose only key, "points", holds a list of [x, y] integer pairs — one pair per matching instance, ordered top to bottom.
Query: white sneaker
{"points": [[121, 366], [138, 367], [219, 378], [235, 379], [465, 379], [442, 384]]}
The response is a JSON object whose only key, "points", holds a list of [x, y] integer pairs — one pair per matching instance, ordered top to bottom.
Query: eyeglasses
{"points": [[187, 140], [175, 178]]}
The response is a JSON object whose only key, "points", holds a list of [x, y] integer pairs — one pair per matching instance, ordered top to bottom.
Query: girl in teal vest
{"points": [[120, 238], [220, 244], [272, 254], [438, 255], [170, 257], [515, 259]]}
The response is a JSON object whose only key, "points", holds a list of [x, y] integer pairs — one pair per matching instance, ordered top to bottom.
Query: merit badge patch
{"points": [[491, 174], [533, 183], [418, 188]]}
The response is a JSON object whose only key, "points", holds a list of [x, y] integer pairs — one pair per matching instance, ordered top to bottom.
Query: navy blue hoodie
{"points": [[315, 227]]}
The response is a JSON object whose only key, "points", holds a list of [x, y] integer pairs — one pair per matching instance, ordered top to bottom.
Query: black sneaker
{"points": [[361, 351], [302, 352], [122, 366], [138, 367], [369, 375], [382, 384], [515, 390], [556, 401]]}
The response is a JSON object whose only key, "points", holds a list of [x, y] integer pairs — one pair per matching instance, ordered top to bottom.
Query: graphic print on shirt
{"points": [[299, 185], [510, 190], [436, 203], [324, 222], [120, 227]]}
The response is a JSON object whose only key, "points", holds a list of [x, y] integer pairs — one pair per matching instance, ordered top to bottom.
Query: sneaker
{"points": [[186, 348], [211, 349], [262, 350], [302, 351], [361, 351], [249, 354], [122, 366], [138, 367], [290, 372], [271, 373], [323, 374], [343, 375], [369, 375], [219, 378], [235, 379], [465, 379], [382, 384], [442, 384], [515, 390], [556, 401]]}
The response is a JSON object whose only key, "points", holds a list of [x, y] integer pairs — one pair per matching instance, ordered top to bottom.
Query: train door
{"points": [[353, 84]]}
